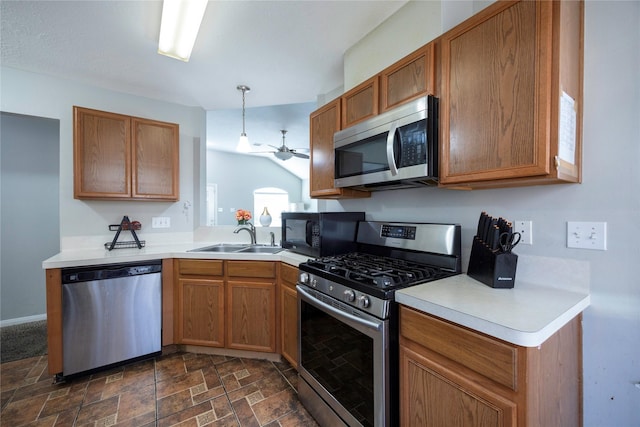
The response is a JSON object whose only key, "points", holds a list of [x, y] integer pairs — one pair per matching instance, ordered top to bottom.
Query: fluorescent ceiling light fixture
{"points": [[181, 21]]}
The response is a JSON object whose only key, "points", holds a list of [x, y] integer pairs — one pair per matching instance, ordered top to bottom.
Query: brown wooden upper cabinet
{"points": [[409, 78], [511, 96], [360, 103], [324, 122], [122, 157]]}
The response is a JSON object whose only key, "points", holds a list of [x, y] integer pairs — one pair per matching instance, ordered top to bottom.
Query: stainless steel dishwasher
{"points": [[110, 314]]}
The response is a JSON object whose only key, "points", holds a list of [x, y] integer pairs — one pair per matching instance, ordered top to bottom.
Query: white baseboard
{"points": [[19, 320]]}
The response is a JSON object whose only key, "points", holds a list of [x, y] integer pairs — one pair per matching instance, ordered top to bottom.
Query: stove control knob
{"points": [[304, 277], [314, 283], [349, 295], [364, 301]]}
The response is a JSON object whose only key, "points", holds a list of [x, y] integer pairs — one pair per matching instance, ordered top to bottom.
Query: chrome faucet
{"points": [[250, 229], [273, 238]]}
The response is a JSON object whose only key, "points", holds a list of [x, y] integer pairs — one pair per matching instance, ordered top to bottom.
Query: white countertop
{"points": [[87, 257], [547, 294], [526, 315]]}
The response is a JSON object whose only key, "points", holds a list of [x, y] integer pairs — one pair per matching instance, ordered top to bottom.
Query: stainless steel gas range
{"points": [[348, 318]]}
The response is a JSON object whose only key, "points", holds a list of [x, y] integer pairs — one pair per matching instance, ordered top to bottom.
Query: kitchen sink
{"points": [[221, 247], [236, 247], [257, 249]]}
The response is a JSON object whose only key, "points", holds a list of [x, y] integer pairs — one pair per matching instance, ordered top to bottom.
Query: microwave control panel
{"points": [[315, 235]]}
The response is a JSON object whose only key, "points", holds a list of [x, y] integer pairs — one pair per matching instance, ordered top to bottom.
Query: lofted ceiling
{"points": [[287, 52]]}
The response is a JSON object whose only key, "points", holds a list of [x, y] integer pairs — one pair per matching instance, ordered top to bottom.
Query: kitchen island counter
{"points": [[526, 315]]}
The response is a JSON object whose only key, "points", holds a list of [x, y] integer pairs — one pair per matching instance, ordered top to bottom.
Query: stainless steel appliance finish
{"points": [[396, 149], [319, 234], [111, 314], [348, 318]]}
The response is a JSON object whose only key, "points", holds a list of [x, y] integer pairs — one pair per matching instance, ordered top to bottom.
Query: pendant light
{"points": [[243, 142]]}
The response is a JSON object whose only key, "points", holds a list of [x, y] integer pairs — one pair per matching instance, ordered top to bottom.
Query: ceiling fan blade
{"points": [[306, 150], [302, 156]]}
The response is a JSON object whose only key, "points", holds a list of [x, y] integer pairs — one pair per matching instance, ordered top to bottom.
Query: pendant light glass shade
{"points": [[179, 27], [243, 142]]}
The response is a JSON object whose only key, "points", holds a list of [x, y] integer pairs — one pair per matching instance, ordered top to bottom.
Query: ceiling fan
{"points": [[285, 153]]}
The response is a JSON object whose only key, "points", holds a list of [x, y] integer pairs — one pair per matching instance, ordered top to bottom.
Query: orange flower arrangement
{"points": [[243, 216]]}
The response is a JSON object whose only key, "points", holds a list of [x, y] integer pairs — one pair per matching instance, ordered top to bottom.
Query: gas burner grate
{"points": [[378, 271]]}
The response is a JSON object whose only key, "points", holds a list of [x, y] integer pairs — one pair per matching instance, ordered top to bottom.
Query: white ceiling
{"points": [[287, 52]]}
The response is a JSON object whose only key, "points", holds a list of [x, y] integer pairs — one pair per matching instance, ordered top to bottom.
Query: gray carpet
{"points": [[23, 341]]}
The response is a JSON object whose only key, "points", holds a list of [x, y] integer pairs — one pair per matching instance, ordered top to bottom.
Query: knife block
{"points": [[495, 269]]}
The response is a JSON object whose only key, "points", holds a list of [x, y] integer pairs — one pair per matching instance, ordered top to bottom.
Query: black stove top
{"points": [[373, 274]]}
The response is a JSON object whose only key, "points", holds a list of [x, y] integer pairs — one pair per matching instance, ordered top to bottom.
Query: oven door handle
{"points": [[338, 313]]}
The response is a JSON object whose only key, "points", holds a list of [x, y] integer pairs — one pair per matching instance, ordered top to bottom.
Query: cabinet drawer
{"points": [[200, 267], [251, 269], [289, 274], [486, 356]]}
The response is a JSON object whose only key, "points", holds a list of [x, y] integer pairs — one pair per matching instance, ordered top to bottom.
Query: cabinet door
{"points": [[409, 78], [500, 93], [360, 103], [324, 123], [101, 154], [155, 160], [289, 314], [201, 317], [251, 319], [431, 395]]}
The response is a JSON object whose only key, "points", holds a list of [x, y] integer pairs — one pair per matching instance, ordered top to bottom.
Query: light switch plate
{"points": [[160, 222], [587, 235]]}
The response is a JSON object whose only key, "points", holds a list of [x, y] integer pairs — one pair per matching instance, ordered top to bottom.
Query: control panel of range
{"points": [[398, 231]]}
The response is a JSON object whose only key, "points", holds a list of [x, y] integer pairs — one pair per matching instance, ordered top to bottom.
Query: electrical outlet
{"points": [[160, 222], [525, 228], [587, 235]]}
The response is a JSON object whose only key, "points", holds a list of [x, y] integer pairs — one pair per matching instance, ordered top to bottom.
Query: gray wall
{"points": [[40, 95], [237, 183], [609, 192], [30, 221]]}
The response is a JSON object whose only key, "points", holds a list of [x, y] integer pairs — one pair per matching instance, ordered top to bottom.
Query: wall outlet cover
{"points": [[525, 228]]}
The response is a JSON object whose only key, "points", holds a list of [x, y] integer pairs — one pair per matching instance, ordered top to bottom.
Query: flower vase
{"points": [[265, 218]]}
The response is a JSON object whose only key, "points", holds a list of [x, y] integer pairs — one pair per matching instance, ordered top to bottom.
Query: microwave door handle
{"points": [[390, 145]]}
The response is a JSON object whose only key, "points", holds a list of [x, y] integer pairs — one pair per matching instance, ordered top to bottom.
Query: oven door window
{"points": [[341, 359]]}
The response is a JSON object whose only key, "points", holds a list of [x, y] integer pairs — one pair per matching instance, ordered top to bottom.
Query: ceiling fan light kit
{"points": [[179, 27], [243, 142], [285, 153]]}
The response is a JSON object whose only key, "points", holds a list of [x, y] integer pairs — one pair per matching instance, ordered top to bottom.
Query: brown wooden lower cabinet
{"points": [[230, 304], [202, 314], [289, 314], [251, 319], [454, 376]]}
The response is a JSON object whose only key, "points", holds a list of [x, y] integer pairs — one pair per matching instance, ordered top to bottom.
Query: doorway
{"points": [[29, 212]]}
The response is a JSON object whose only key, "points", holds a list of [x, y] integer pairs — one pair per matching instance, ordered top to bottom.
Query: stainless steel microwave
{"points": [[396, 149], [320, 234]]}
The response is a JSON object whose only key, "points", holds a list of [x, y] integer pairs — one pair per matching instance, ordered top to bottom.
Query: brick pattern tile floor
{"points": [[177, 389]]}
